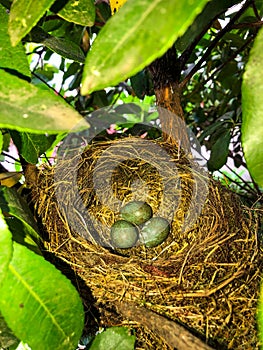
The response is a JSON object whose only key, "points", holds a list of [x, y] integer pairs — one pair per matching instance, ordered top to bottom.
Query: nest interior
{"points": [[205, 275]]}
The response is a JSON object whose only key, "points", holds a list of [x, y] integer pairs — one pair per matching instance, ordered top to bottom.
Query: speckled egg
{"points": [[136, 212]]}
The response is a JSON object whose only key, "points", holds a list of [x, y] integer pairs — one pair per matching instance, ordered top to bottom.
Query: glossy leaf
{"points": [[79, 11], [24, 15], [134, 37], [62, 46], [11, 57], [252, 101], [26, 107], [31, 146], [219, 151], [24, 228], [6, 247], [40, 304], [113, 338]]}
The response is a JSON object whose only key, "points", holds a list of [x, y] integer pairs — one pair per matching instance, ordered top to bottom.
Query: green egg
{"points": [[136, 212], [155, 231], [123, 234]]}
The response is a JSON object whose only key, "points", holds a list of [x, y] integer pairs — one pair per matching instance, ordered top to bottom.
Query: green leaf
{"points": [[211, 10], [79, 11], [24, 15], [134, 37], [62, 46], [11, 57], [141, 84], [26, 107], [252, 117], [217, 126], [1, 141], [31, 146], [219, 151], [14, 206], [6, 247], [40, 304], [260, 314], [114, 338]]}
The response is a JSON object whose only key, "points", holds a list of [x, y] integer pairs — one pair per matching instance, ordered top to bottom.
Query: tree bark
{"points": [[166, 72], [176, 336]]}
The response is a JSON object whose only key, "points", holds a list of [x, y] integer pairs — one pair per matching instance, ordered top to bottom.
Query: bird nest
{"points": [[204, 276]]}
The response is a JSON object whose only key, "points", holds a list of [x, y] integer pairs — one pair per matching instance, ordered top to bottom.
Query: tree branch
{"points": [[248, 25], [227, 28], [218, 69], [175, 335]]}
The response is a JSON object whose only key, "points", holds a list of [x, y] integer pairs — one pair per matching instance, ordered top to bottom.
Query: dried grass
{"points": [[206, 277]]}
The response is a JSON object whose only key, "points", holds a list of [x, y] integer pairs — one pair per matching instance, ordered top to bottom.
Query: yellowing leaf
{"points": [[115, 5], [24, 15], [9, 179]]}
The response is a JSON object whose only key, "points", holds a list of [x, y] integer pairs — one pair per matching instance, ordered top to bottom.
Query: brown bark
{"points": [[166, 73], [176, 336]]}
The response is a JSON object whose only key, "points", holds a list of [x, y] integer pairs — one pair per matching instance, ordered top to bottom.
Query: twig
{"points": [[256, 10], [248, 25], [213, 44], [230, 58], [56, 92], [10, 156], [175, 335]]}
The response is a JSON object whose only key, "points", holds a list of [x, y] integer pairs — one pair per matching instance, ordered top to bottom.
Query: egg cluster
{"points": [[138, 224]]}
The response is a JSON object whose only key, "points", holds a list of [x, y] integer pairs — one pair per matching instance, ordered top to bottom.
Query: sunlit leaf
{"points": [[79, 11], [24, 15], [134, 37], [11, 57], [252, 101], [28, 108], [31, 146], [6, 247], [39, 304], [114, 338]]}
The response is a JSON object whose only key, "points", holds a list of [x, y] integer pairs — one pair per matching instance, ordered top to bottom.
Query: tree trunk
{"points": [[166, 73]]}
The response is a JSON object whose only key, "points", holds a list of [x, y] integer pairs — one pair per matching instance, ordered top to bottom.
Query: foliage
{"points": [[102, 60], [252, 127], [113, 338]]}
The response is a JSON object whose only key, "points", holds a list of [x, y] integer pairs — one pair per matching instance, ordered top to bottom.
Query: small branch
{"points": [[256, 10], [248, 25], [213, 44], [188, 51], [230, 59], [55, 91], [10, 156], [243, 185], [175, 335]]}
